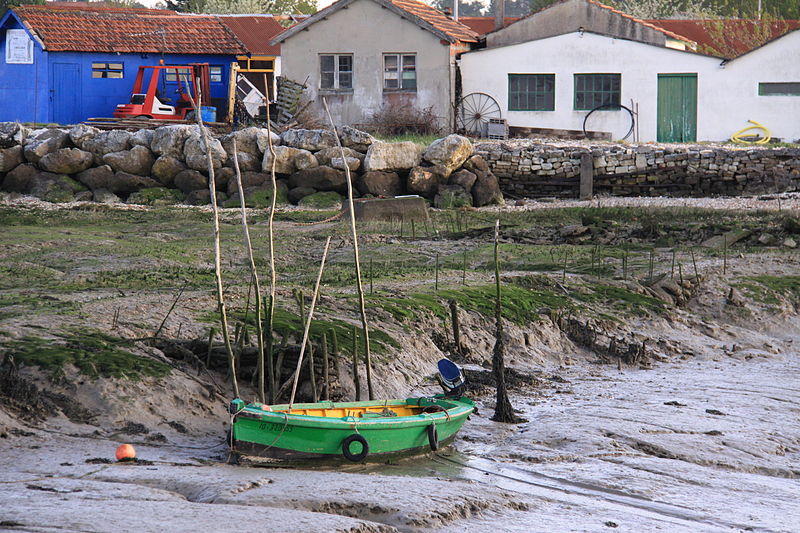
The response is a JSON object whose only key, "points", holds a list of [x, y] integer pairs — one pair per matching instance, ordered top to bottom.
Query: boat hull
{"points": [[273, 432]]}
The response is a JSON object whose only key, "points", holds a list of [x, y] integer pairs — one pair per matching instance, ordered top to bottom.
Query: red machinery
{"points": [[154, 103]]}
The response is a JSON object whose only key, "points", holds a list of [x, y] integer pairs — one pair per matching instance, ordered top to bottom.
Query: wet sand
{"points": [[692, 446]]}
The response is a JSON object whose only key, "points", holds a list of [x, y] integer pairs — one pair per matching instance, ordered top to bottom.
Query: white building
{"points": [[552, 82]]}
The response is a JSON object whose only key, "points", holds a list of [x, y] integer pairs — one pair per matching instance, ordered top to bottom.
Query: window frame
{"points": [[106, 68], [400, 70], [337, 72], [212, 74], [536, 77], [596, 77], [763, 84]]}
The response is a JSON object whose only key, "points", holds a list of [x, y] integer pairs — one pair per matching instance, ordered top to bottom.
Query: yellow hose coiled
{"points": [[752, 139]]}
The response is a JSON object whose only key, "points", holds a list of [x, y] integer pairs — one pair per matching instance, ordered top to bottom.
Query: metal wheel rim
{"points": [[474, 111]]}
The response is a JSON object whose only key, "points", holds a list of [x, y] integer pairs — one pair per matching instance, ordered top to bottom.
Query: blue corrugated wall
{"points": [[58, 87]]}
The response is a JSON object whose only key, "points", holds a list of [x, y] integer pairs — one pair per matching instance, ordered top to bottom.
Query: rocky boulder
{"points": [[80, 133], [12, 134], [263, 137], [142, 138], [355, 139], [169, 140], [311, 140], [247, 141], [42, 142], [107, 142], [194, 151], [449, 152], [326, 156], [392, 156], [11, 158], [305, 159], [138, 160], [284, 160], [66, 161], [247, 161], [351, 163], [476, 163], [165, 168], [97, 178], [321, 178], [463, 178], [19, 179], [249, 179], [190, 180], [424, 181], [380, 183], [55, 188], [486, 190], [298, 193], [452, 196], [203, 197]]}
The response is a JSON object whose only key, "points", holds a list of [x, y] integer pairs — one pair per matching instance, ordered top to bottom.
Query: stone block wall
{"points": [[530, 169]]}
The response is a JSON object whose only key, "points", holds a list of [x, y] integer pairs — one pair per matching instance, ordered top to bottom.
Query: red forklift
{"points": [[154, 102]]}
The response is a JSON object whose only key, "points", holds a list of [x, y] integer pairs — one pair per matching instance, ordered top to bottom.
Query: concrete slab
{"points": [[399, 207]]}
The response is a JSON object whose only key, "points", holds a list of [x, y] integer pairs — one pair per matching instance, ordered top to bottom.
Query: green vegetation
{"points": [[156, 196], [322, 200], [766, 289], [95, 354]]}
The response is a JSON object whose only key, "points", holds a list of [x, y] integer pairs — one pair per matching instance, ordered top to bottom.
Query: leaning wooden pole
{"points": [[212, 188], [253, 274], [361, 305], [308, 323], [273, 379], [503, 412]]}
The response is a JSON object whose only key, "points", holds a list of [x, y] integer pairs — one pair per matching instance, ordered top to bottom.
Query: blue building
{"points": [[67, 62]]}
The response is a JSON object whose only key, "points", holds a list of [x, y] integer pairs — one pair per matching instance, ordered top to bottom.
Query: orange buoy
{"points": [[126, 452]]}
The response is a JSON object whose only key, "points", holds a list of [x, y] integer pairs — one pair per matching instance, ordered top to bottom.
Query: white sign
{"points": [[19, 47]]}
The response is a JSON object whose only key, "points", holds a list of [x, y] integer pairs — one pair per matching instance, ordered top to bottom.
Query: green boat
{"points": [[358, 431]]}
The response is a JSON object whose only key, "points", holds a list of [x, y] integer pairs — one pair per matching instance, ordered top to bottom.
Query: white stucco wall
{"points": [[367, 30], [727, 95]]}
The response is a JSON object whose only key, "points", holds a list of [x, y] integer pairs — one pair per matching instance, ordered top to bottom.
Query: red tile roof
{"points": [[483, 25], [78, 28], [454, 29], [255, 31], [666, 32], [728, 37]]}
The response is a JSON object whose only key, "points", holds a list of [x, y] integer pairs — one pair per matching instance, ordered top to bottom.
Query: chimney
{"points": [[455, 9], [499, 14]]}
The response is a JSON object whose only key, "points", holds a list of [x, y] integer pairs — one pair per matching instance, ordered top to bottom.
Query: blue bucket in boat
{"points": [[208, 113]]}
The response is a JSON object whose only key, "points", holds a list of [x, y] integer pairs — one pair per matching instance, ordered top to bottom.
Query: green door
{"points": [[677, 108]]}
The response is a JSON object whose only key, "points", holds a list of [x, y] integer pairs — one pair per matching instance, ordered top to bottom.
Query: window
{"points": [[107, 70], [336, 71], [400, 72], [215, 73], [791, 88], [592, 90], [531, 92]]}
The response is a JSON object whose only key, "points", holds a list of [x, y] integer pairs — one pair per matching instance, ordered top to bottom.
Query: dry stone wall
{"points": [[169, 165], [529, 169]]}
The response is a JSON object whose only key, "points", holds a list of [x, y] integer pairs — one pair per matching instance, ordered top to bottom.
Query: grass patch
{"points": [[766, 289], [622, 300], [95, 354]]}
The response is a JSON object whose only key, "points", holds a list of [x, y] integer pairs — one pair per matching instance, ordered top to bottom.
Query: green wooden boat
{"points": [[369, 430]]}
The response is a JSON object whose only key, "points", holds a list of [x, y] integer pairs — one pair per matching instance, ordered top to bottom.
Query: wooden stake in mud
{"points": [[212, 188], [724, 254], [694, 263], [464, 269], [253, 273], [436, 282], [361, 305], [308, 325], [456, 326], [271, 374], [311, 375], [356, 378], [326, 382], [503, 411]]}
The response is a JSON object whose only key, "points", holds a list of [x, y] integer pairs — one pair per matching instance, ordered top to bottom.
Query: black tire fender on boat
{"points": [[433, 437], [355, 457]]}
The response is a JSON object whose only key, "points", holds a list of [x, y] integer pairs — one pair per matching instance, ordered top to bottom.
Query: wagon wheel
{"points": [[474, 111]]}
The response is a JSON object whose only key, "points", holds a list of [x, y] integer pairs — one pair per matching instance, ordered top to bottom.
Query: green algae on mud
{"points": [[95, 354]]}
